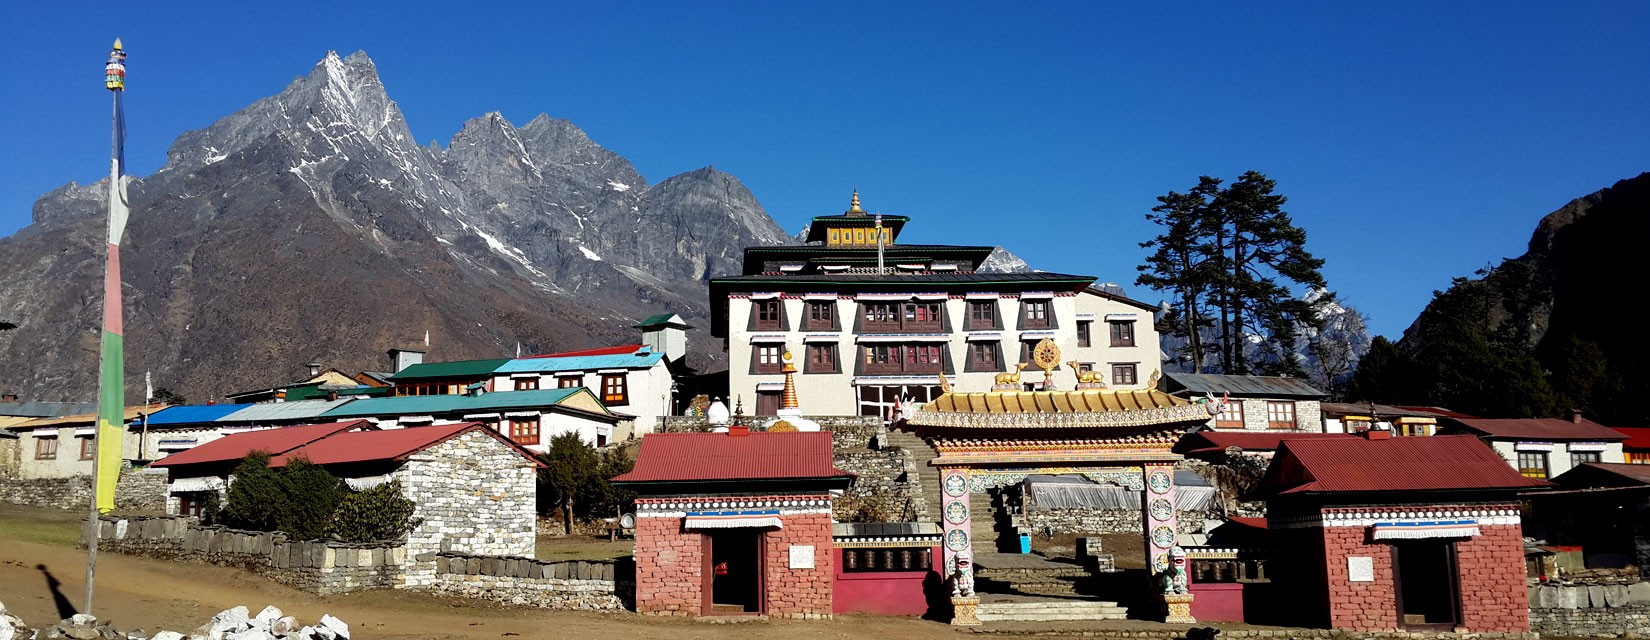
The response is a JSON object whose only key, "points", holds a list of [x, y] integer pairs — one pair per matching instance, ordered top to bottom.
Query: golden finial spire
{"points": [[117, 44], [853, 207], [788, 401]]}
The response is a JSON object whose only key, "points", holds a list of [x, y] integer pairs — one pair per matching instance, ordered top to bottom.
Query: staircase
{"points": [[927, 476], [1046, 610]]}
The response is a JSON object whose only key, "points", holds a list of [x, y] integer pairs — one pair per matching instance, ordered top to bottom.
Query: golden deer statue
{"points": [[1086, 377], [1006, 379]]}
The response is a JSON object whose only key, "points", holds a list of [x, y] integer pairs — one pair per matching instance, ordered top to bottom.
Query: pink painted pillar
{"points": [[1160, 514], [955, 516]]}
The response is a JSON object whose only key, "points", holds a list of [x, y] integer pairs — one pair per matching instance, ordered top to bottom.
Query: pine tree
{"points": [[1179, 263], [570, 464]]}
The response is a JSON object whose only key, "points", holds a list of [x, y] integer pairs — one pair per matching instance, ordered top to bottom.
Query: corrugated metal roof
{"points": [[915, 279], [662, 319], [599, 351], [634, 359], [458, 369], [1241, 386], [1079, 401], [427, 405], [45, 409], [1384, 410], [294, 411], [131, 413], [193, 413], [1538, 429], [1637, 437], [273, 441], [1216, 442], [391, 444], [687, 457], [1352, 465], [1605, 474]]}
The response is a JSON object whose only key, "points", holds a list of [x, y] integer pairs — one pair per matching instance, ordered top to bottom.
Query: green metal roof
{"points": [[661, 319], [458, 369], [427, 405]]}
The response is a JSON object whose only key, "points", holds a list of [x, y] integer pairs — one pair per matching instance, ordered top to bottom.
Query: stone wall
{"points": [[1308, 415], [11, 456], [885, 488], [138, 490], [474, 495], [1054, 522], [321, 566], [580, 585], [1618, 610]]}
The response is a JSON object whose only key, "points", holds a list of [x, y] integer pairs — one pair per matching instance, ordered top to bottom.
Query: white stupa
{"points": [[789, 417]]}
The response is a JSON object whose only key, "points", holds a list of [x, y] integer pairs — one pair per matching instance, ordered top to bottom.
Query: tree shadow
{"points": [[65, 609]]}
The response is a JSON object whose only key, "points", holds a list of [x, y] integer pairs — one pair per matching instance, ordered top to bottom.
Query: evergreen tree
{"points": [[1228, 256], [571, 464], [255, 495], [311, 496], [379, 513]]}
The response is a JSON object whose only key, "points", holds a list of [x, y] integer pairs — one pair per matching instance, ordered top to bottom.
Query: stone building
{"points": [[876, 321], [1255, 403], [529, 418], [63, 447], [1544, 448], [475, 491], [735, 523], [1380, 533]]}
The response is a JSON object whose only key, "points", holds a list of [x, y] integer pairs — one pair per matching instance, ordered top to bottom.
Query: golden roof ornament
{"points": [[853, 206], [1047, 356], [1087, 379], [1151, 383], [789, 400]]}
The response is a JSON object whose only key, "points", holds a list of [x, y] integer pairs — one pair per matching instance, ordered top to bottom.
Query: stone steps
{"points": [[927, 475], [1044, 610]]}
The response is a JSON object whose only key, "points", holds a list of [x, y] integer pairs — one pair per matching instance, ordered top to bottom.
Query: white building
{"points": [[868, 336], [633, 379], [1253, 403], [1543, 448]]}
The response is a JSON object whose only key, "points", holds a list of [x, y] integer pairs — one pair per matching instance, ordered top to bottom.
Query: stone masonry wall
{"points": [[1308, 415], [885, 488], [140, 490], [475, 495], [1054, 522], [323, 566], [579, 585], [1614, 610]]}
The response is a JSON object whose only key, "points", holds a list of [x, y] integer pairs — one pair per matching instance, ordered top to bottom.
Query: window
{"points": [[768, 313], [982, 314], [1034, 314], [821, 316], [903, 316], [1083, 333], [1122, 334], [983, 356], [767, 359], [821, 359], [882, 359], [1122, 374], [568, 382], [527, 384], [614, 390], [1280, 415], [1231, 416], [524, 430], [88, 447], [45, 448], [1637, 457], [1578, 458], [1533, 464], [192, 503]]}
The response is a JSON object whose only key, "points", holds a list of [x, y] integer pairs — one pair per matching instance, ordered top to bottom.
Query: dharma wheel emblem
{"points": [[1159, 481], [1161, 509]]}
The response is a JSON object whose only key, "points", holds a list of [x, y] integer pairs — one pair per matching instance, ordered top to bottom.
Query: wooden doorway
{"points": [[1425, 576], [734, 583]]}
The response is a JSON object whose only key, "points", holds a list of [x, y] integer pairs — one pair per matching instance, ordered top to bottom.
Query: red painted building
{"points": [[735, 523], [1398, 533]]}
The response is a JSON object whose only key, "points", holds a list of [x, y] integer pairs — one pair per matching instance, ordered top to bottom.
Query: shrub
{"points": [[312, 494], [255, 497], [379, 513]]}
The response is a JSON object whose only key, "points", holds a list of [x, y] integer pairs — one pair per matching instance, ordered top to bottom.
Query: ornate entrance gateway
{"points": [[996, 438]]}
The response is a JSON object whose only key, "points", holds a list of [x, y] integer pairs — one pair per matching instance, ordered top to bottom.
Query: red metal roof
{"points": [[603, 351], [1438, 410], [1540, 429], [1637, 437], [273, 441], [1218, 441], [371, 446], [687, 457], [1435, 463], [1258, 523]]}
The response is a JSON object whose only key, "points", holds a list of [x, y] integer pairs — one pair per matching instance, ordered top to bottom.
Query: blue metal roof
{"points": [[637, 360], [422, 405], [284, 411], [193, 413]]}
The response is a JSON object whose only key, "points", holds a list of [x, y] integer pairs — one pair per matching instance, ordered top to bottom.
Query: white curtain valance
{"points": [[362, 484], [184, 485], [731, 522], [1426, 530]]}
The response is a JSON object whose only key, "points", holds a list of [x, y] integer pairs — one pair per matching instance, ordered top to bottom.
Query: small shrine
{"points": [[988, 439]]}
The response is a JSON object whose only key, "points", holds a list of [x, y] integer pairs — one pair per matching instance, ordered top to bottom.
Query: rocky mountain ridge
{"points": [[309, 226]]}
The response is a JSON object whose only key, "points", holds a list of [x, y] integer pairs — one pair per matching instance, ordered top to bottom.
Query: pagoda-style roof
{"points": [[817, 228], [758, 259], [1058, 409]]}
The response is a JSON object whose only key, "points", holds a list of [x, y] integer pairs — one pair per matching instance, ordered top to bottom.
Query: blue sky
{"points": [[1416, 141]]}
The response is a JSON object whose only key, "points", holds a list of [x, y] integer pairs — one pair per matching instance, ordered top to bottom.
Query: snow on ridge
{"points": [[618, 186], [589, 254]]}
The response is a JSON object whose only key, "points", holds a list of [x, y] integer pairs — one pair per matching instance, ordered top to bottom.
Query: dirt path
{"points": [[152, 594]]}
